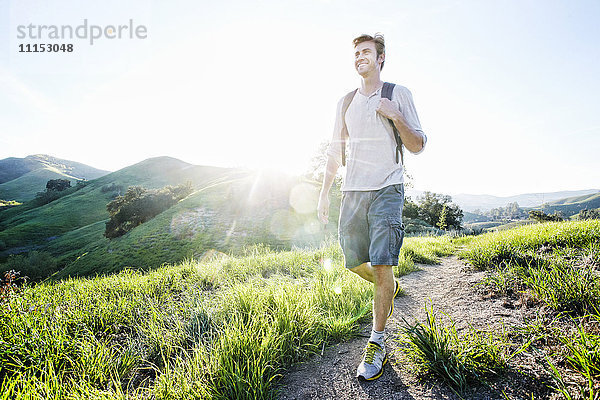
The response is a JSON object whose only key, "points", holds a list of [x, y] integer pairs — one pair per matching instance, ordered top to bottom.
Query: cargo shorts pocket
{"points": [[396, 234]]}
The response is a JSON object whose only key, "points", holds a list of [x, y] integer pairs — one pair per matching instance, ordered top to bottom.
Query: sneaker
{"points": [[396, 291], [372, 363]]}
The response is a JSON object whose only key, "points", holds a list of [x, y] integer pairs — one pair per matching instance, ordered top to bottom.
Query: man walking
{"points": [[375, 122]]}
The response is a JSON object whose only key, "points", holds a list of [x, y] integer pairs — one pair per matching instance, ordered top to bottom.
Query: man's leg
{"points": [[386, 234], [365, 271], [384, 295], [375, 356]]}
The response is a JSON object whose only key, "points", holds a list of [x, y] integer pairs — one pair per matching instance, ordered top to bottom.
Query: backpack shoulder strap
{"points": [[386, 92], [345, 104]]}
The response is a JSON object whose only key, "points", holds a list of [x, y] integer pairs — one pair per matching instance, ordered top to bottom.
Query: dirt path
{"points": [[450, 288]]}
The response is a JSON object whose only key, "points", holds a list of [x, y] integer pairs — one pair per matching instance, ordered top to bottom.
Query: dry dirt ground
{"points": [[451, 288]]}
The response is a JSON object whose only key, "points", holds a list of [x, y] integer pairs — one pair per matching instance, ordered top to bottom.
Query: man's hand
{"points": [[388, 109], [323, 208]]}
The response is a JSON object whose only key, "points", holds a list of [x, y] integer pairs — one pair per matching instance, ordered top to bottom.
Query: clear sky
{"points": [[508, 92]]}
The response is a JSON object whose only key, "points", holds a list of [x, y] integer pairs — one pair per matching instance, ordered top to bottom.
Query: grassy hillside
{"points": [[13, 167], [22, 178], [26, 186], [88, 205], [571, 205], [228, 210], [217, 218], [487, 251], [227, 327], [221, 328]]}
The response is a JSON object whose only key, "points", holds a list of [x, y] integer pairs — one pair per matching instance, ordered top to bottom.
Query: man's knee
{"points": [[361, 268], [382, 273]]}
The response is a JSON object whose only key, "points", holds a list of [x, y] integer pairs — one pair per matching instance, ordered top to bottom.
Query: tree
{"points": [[58, 184], [139, 205], [431, 206], [411, 209], [511, 211], [589, 214], [541, 216], [442, 224]]}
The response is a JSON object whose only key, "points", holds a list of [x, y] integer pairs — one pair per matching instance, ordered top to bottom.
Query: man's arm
{"points": [[406, 121], [412, 139], [334, 160], [330, 172]]}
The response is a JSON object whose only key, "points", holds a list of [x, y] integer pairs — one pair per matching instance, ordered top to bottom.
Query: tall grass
{"points": [[423, 250], [489, 250], [556, 264], [225, 327], [581, 353], [459, 360]]}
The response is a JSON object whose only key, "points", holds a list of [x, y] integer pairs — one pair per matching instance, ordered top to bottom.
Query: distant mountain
{"points": [[22, 178], [471, 202]]}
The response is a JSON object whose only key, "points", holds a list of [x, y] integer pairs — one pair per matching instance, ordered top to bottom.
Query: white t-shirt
{"points": [[371, 162]]}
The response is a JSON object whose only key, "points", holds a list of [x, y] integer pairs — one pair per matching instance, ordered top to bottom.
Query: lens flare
{"points": [[304, 198], [312, 227], [327, 265]]}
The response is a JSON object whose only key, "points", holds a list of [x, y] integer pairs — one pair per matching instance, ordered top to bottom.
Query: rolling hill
{"points": [[22, 178], [571, 205], [230, 208]]}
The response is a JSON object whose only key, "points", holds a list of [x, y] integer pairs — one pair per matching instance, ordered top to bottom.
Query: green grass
{"points": [[25, 187], [515, 224], [487, 225], [423, 250], [489, 250], [556, 264], [564, 286], [223, 327], [582, 354], [460, 361]]}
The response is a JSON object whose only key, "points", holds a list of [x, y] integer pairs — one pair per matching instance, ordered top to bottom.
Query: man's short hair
{"points": [[377, 39]]}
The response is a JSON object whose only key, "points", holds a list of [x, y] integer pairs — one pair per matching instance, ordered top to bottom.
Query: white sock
{"points": [[377, 337]]}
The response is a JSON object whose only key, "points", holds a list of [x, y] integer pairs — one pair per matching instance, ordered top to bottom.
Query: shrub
{"points": [[58, 184], [55, 189], [9, 203], [139, 205], [589, 214], [541, 216], [8, 285]]}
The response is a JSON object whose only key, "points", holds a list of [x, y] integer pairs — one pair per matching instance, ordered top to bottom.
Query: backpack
{"points": [[386, 92]]}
